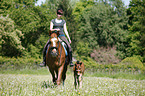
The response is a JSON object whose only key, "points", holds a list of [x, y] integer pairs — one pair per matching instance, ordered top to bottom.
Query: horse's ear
{"points": [[50, 32], [57, 33]]}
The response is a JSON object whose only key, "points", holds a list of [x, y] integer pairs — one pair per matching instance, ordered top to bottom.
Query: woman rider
{"points": [[59, 24]]}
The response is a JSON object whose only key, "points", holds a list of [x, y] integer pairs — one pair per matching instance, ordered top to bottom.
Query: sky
{"points": [[40, 1]]}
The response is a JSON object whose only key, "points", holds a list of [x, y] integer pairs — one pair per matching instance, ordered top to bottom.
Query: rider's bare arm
{"points": [[51, 27], [66, 32]]}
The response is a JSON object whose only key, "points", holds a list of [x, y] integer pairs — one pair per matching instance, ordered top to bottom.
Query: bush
{"points": [[83, 49], [105, 55], [133, 62], [18, 63], [89, 63], [129, 64], [143, 70]]}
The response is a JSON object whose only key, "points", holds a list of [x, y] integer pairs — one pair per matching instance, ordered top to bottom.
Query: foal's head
{"points": [[54, 43], [78, 68]]}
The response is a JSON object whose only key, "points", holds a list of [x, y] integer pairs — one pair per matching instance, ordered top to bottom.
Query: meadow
{"points": [[41, 85]]}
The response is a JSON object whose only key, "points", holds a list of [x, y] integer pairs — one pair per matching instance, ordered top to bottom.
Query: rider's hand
{"points": [[58, 29]]}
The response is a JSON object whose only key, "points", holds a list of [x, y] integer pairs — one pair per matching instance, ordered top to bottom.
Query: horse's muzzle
{"points": [[54, 53]]}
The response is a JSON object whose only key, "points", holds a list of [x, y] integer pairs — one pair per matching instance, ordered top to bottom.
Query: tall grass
{"points": [[88, 73], [41, 85]]}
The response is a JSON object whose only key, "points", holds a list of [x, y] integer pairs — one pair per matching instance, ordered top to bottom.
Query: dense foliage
{"points": [[92, 26], [136, 27]]}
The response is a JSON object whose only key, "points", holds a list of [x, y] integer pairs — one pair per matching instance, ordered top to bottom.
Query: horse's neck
{"points": [[53, 35]]}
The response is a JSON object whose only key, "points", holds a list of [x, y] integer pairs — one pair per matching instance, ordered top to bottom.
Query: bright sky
{"points": [[40, 1], [126, 2]]}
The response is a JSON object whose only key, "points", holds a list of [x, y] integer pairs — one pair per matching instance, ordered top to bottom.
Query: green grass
{"points": [[38, 71], [45, 71], [117, 75], [37, 82], [41, 85]]}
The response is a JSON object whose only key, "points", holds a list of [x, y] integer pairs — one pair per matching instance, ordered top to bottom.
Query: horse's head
{"points": [[54, 43]]}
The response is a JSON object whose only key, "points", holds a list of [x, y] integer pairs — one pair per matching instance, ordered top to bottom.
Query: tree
{"points": [[78, 11], [69, 17], [31, 20], [99, 25], [102, 25], [136, 28], [10, 38]]}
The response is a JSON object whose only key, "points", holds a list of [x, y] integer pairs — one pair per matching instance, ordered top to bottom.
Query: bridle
{"points": [[58, 44], [51, 48]]}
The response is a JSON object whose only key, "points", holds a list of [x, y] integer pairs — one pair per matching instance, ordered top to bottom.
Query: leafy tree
{"points": [[78, 11], [69, 17], [31, 20], [102, 25], [136, 28], [10, 38], [83, 49]]}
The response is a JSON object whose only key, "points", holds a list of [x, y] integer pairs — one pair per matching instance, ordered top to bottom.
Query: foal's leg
{"points": [[80, 81], [75, 82]]}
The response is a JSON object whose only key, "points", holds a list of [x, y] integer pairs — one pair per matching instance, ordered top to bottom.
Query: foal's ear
{"points": [[50, 32], [78, 62]]}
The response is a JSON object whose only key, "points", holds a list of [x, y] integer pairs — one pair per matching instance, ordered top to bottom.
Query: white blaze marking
{"points": [[53, 40]]}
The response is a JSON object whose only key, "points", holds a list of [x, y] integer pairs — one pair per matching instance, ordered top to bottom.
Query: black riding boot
{"points": [[44, 54], [44, 58], [70, 59], [43, 62]]}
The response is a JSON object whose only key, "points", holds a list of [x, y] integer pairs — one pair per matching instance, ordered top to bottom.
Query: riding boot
{"points": [[44, 54], [44, 58], [70, 59], [44, 61]]}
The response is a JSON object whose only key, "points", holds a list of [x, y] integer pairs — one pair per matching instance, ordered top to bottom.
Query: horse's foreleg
{"points": [[60, 71], [64, 74], [53, 76]]}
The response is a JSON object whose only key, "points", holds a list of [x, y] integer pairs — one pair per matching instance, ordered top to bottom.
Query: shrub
{"points": [[83, 49], [105, 55], [89, 62], [133, 62], [18, 63], [143, 70]]}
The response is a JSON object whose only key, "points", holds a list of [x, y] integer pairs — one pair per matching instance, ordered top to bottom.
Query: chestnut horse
{"points": [[56, 59]]}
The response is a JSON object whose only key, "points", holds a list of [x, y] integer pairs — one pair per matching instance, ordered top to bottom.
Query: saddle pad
{"points": [[63, 44]]}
